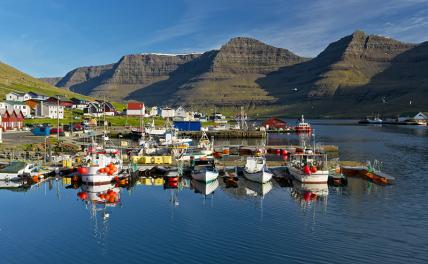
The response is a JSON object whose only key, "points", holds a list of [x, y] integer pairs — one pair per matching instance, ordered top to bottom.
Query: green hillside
{"points": [[13, 80]]}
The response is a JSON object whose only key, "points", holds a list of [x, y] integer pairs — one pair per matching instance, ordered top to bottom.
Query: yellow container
{"points": [[134, 159], [158, 159], [167, 159], [141, 160], [148, 160], [67, 163], [66, 180], [146, 181], [158, 181]]}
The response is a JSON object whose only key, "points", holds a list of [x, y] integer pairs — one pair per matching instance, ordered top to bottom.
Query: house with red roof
{"points": [[135, 109], [11, 119], [274, 123]]}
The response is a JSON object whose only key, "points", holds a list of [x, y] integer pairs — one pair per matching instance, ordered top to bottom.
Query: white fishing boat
{"points": [[205, 145], [100, 167], [309, 167], [16, 169], [256, 170], [204, 173], [205, 188]]}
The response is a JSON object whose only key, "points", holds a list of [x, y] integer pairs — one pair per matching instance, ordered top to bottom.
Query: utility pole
{"points": [[57, 119]]}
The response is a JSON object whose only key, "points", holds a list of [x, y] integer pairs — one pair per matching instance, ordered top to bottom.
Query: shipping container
{"points": [[188, 125]]}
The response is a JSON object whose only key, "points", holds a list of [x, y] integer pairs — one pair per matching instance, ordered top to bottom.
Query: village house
{"points": [[21, 97], [63, 101], [32, 103], [78, 103], [17, 106], [99, 108], [135, 109], [50, 110], [154, 111], [167, 112], [182, 114], [11, 120]]}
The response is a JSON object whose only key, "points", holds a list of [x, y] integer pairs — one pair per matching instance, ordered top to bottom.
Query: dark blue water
{"points": [[360, 223]]}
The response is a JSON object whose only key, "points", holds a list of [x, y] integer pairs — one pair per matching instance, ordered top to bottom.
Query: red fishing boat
{"points": [[303, 127]]}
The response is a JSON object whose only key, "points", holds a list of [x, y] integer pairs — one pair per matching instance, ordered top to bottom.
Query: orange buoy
{"points": [[306, 169], [314, 169], [82, 195], [307, 196]]}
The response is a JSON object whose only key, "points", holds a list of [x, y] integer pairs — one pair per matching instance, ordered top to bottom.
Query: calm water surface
{"points": [[360, 223]]}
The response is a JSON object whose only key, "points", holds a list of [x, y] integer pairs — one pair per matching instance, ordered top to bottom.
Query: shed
{"points": [[274, 123]]}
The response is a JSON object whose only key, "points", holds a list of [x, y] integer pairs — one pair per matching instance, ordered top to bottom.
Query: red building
{"points": [[63, 101], [135, 109], [12, 120], [274, 123]]}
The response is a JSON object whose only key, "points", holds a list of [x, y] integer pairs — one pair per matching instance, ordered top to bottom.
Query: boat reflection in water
{"points": [[205, 188], [256, 189], [309, 194], [98, 199]]}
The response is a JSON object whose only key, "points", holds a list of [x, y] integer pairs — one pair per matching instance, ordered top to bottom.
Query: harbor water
{"points": [[359, 223]]}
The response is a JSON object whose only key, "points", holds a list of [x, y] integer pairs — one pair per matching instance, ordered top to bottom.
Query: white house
{"points": [[14, 96], [21, 97], [16, 105], [99, 108], [135, 109], [50, 110], [154, 111], [167, 112], [421, 116]]}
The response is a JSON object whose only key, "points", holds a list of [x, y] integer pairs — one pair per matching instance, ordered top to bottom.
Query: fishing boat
{"points": [[375, 120], [303, 127], [101, 166], [308, 167], [16, 169], [256, 170], [204, 173]]}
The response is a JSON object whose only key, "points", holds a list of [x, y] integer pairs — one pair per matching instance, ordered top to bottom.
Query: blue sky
{"points": [[51, 37]]}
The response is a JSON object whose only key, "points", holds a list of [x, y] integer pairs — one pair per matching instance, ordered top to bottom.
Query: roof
{"points": [[14, 102], [135, 106], [274, 119]]}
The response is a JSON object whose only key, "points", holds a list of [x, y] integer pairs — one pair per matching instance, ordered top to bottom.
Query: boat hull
{"points": [[205, 176], [260, 177], [318, 177]]}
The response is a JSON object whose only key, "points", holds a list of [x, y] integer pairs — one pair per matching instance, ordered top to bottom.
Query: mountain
{"points": [[368, 72], [12, 79], [166, 79], [51, 80]]}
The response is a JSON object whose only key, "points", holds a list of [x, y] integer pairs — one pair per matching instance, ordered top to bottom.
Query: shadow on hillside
{"points": [[164, 91], [390, 91]]}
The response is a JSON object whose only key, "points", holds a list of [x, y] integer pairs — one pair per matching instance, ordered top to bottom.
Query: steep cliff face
{"points": [[349, 62], [233, 72], [130, 73]]}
